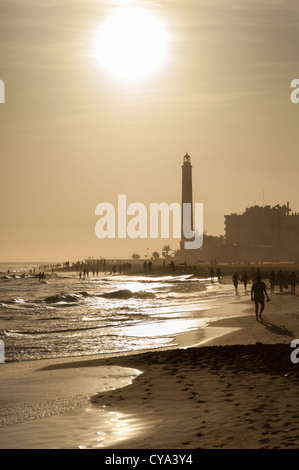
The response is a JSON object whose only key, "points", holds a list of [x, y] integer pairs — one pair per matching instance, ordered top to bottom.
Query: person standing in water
{"points": [[258, 293]]}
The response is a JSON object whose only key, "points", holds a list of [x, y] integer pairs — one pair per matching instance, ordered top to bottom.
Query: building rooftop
{"points": [[265, 210]]}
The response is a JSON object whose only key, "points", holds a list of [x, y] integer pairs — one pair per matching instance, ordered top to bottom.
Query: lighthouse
{"points": [[186, 194]]}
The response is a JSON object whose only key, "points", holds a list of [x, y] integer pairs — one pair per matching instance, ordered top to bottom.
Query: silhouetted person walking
{"points": [[245, 279], [236, 280], [272, 280], [293, 282], [258, 292]]}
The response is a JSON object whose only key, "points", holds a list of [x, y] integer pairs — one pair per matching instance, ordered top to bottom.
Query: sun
{"points": [[131, 43]]}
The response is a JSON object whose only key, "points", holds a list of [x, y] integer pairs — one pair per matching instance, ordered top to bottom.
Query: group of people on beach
{"points": [[147, 266], [122, 268], [218, 274], [282, 279], [259, 288]]}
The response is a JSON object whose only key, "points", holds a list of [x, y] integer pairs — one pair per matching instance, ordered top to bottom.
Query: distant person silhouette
{"points": [[212, 274], [219, 274], [245, 279], [286, 279], [236, 280], [272, 280], [280, 280], [293, 282], [258, 292]]}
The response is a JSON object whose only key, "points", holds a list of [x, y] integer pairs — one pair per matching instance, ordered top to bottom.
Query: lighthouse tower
{"points": [[186, 193]]}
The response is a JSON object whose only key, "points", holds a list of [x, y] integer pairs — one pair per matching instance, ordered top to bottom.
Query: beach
{"points": [[233, 386]]}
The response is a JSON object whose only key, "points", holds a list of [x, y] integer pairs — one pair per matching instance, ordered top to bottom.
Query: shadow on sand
{"points": [[277, 330]]}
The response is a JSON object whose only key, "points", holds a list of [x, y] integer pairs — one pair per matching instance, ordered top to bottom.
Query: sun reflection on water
{"points": [[109, 428]]}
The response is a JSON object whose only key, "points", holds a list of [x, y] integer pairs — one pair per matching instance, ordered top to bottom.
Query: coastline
{"points": [[108, 403]]}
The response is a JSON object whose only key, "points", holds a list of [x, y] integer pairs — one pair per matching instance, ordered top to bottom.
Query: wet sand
{"points": [[237, 389]]}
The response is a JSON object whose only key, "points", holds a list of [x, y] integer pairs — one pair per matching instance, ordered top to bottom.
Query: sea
{"points": [[105, 314]]}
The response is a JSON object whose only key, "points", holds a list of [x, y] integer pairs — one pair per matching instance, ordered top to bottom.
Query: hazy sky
{"points": [[72, 136]]}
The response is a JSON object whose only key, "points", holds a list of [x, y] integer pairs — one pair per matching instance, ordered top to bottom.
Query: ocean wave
{"points": [[127, 294], [66, 298], [14, 301], [47, 332]]}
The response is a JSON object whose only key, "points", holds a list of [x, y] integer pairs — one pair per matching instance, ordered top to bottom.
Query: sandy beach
{"points": [[234, 388]]}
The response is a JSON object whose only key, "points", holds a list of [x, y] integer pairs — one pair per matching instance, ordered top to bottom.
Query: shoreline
{"points": [[133, 390]]}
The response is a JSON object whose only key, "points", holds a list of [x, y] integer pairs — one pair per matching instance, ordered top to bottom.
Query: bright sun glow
{"points": [[131, 43]]}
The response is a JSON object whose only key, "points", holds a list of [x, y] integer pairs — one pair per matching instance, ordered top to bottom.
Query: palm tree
{"points": [[166, 249]]}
